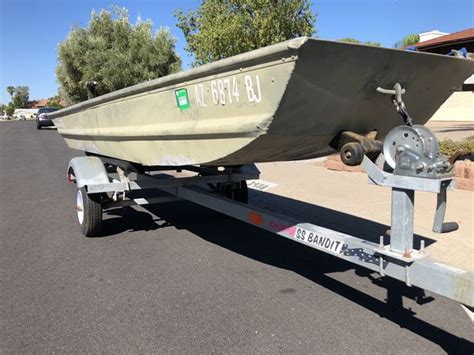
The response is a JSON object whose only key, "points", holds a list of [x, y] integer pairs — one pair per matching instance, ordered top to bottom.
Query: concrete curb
{"points": [[463, 171]]}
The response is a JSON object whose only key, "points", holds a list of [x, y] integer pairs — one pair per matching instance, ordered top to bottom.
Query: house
{"points": [[426, 36], [443, 43], [38, 103], [460, 105], [32, 108], [29, 113]]}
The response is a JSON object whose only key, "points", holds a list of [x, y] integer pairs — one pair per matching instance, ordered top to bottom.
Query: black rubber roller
{"points": [[352, 154]]}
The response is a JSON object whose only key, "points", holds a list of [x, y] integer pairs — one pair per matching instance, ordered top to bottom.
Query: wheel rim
{"points": [[80, 206]]}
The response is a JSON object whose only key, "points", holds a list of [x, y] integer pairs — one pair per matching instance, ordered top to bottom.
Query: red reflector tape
{"points": [[255, 218]]}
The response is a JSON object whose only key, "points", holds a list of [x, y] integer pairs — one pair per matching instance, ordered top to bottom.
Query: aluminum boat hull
{"points": [[283, 102]]}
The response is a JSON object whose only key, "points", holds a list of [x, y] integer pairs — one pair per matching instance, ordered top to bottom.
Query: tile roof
{"points": [[460, 36], [38, 103]]}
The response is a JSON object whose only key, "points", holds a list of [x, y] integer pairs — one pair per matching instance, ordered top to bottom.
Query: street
{"points": [[179, 278]]}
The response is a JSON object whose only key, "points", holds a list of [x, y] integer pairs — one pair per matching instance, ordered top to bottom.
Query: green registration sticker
{"points": [[182, 99]]}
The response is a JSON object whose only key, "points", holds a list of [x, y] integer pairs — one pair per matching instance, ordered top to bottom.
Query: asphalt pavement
{"points": [[179, 278]]}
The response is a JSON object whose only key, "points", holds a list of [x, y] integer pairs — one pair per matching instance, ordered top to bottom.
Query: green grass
{"points": [[448, 147]]}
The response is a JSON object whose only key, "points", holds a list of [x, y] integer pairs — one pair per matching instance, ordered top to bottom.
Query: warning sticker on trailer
{"points": [[260, 185], [319, 241]]}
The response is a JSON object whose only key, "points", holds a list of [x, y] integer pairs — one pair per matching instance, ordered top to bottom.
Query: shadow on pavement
{"points": [[456, 129], [129, 219], [265, 247]]}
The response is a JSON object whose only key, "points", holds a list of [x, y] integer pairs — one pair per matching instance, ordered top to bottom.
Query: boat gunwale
{"points": [[288, 47], [220, 66]]}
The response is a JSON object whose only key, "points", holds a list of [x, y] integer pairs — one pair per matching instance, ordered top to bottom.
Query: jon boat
{"points": [[294, 100], [288, 101]]}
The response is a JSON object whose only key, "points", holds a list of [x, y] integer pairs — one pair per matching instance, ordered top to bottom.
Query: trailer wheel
{"points": [[89, 212]]}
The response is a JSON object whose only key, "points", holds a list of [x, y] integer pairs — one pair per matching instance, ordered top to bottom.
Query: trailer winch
{"points": [[414, 151]]}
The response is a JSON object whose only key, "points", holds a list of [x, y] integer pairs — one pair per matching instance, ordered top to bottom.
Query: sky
{"points": [[30, 30]]}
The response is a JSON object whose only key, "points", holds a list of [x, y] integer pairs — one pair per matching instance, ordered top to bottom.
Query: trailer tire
{"points": [[89, 212]]}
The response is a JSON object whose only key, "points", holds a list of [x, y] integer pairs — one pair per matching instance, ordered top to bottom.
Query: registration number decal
{"points": [[228, 91], [319, 241]]}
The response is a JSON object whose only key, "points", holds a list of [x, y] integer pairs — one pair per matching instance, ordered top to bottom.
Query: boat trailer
{"points": [[409, 162]]}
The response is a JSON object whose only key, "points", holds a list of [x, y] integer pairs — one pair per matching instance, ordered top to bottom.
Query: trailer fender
{"points": [[87, 171]]}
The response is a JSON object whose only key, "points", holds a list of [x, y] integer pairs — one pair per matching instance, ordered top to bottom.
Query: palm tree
{"points": [[407, 41]]}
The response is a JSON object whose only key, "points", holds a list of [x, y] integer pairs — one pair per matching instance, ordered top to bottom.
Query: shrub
{"points": [[448, 147]]}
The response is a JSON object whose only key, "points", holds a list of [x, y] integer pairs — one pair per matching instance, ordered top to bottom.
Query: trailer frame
{"points": [[398, 259]]}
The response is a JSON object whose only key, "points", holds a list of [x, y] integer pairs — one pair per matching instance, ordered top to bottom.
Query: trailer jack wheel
{"points": [[352, 154], [89, 212]]}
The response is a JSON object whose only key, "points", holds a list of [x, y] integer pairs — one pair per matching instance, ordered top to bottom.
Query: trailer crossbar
{"points": [[165, 180]]}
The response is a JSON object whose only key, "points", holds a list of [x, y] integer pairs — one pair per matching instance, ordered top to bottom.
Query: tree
{"points": [[219, 29], [349, 40], [356, 41], [407, 41], [372, 43], [114, 53], [10, 90], [20, 96], [55, 101], [10, 109]]}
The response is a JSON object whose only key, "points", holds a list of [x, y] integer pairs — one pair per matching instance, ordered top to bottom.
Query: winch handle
{"points": [[439, 225]]}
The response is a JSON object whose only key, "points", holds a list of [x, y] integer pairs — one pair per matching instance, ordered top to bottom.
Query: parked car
{"points": [[22, 118], [42, 119]]}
